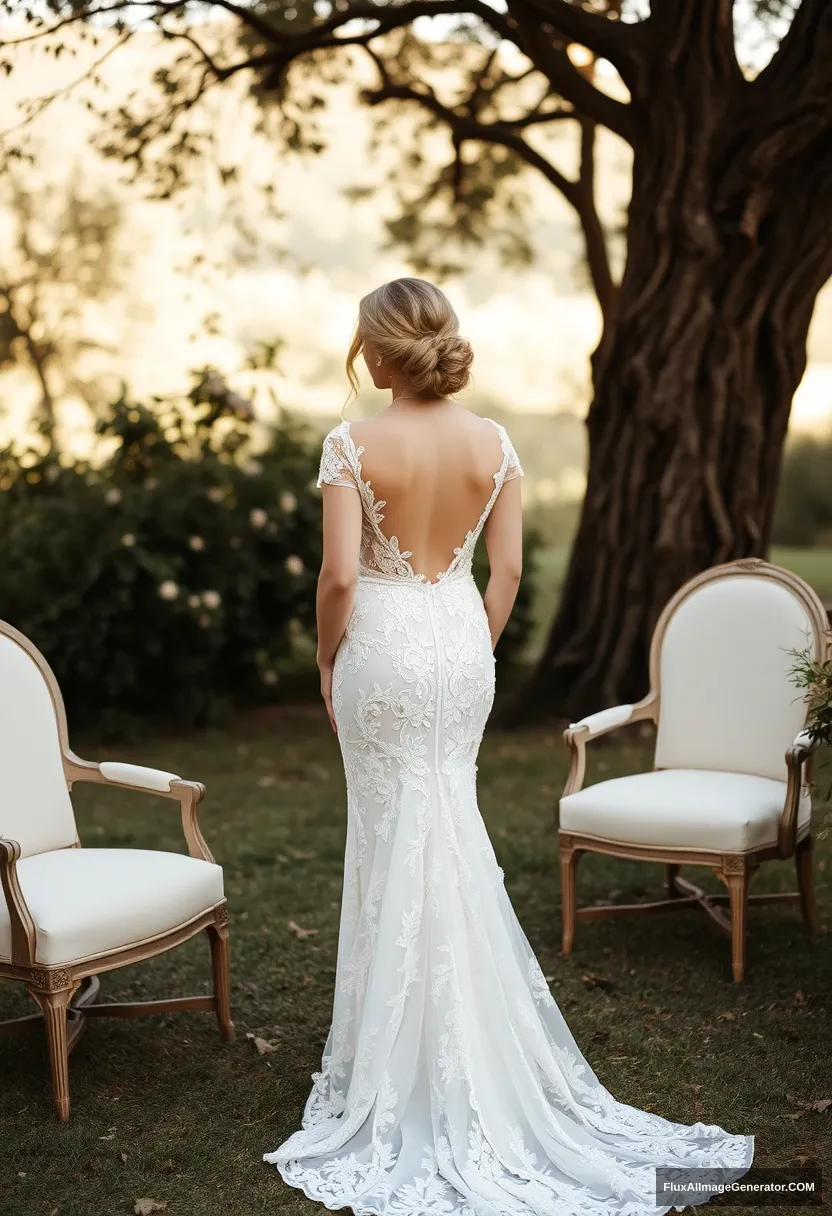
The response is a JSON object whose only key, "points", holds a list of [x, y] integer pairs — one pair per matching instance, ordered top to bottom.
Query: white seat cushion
{"points": [[682, 808], [87, 902]]}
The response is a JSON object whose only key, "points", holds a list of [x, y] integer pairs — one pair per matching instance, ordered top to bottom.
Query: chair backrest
{"points": [[720, 662], [35, 807]]}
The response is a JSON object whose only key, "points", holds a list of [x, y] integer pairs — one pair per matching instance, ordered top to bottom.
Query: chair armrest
{"points": [[604, 720], [578, 734], [797, 757], [137, 777], [188, 794], [24, 934]]}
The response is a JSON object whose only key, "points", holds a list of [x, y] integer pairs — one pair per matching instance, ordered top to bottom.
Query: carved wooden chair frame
{"points": [[735, 870], [67, 994]]}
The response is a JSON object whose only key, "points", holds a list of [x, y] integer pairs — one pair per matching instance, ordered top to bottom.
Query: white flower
{"points": [[252, 467], [52, 473], [216, 494], [112, 497], [288, 502], [258, 518], [128, 540], [197, 543], [294, 564], [169, 590], [211, 599], [194, 601], [205, 620], [270, 677]]}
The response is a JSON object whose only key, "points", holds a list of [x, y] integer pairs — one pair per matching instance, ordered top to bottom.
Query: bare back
{"points": [[434, 469]]}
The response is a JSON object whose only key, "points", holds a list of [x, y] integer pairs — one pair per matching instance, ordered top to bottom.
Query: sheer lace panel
{"points": [[337, 463], [513, 467]]}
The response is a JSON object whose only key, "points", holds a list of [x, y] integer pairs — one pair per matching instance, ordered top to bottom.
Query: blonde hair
{"points": [[411, 323]]}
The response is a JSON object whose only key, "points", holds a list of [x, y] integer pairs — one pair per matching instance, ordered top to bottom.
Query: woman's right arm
{"points": [[504, 542], [339, 568]]}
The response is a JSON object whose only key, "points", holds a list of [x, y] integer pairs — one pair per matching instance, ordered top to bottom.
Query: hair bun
{"points": [[411, 323], [437, 364]]}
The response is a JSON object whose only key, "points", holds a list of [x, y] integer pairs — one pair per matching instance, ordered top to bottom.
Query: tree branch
{"points": [[607, 38], [553, 61], [465, 127]]}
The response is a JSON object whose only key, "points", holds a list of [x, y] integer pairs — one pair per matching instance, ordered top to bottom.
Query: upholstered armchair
{"points": [[730, 785], [68, 913]]}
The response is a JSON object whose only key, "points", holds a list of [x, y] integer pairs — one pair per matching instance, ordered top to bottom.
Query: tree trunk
{"points": [[729, 242]]}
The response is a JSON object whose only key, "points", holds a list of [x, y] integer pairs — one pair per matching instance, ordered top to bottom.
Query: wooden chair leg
{"points": [[569, 857], [672, 874], [805, 883], [738, 884], [220, 962], [54, 1007]]}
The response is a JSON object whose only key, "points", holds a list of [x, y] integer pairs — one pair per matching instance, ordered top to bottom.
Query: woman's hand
{"points": [[326, 692]]}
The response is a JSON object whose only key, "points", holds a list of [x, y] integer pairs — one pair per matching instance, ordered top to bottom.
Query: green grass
{"points": [[813, 565], [163, 1109]]}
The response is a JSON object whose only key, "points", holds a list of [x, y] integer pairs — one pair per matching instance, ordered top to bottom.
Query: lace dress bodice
{"points": [[380, 554]]}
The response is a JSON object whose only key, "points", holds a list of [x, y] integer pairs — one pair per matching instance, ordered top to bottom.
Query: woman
{"points": [[450, 1082]]}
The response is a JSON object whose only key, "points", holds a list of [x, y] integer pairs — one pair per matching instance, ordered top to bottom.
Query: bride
{"points": [[450, 1082]]}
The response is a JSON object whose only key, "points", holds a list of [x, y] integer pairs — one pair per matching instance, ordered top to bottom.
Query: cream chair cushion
{"points": [[727, 701], [682, 808], [88, 902]]}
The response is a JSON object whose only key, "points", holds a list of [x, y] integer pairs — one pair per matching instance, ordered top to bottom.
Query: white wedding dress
{"points": [[450, 1082]]}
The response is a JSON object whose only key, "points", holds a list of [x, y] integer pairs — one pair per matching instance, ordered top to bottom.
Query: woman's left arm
{"points": [[336, 582]]}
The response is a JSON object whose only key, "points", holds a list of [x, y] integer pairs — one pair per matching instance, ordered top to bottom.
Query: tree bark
{"points": [[729, 242]]}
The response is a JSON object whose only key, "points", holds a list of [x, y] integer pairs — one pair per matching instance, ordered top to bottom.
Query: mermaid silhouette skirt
{"points": [[450, 1082]]}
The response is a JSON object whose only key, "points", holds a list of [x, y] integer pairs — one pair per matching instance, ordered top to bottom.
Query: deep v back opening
{"points": [[376, 516]]}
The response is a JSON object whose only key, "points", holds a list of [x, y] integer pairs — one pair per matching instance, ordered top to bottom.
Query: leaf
{"points": [[298, 932], [264, 1046], [822, 1104], [124, 1158], [146, 1207]]}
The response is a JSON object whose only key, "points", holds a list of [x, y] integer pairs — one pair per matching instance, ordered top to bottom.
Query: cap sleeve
{"points": [[336, 460], [511, 461], [513, 465]]}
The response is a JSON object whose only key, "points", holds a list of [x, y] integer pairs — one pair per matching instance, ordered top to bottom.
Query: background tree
{"points": [[727, 243], [59, 257]]}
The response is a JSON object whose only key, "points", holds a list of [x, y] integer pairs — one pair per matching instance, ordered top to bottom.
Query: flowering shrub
{"points": [[175, 576]]}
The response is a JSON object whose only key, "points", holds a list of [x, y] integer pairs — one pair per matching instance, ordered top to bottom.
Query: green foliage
{"points": [[804, 503], [174, 578], [814, 678]]}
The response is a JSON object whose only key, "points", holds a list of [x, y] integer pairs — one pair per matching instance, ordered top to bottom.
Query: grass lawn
{"points": [[813, 565], [163, 1109]]}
